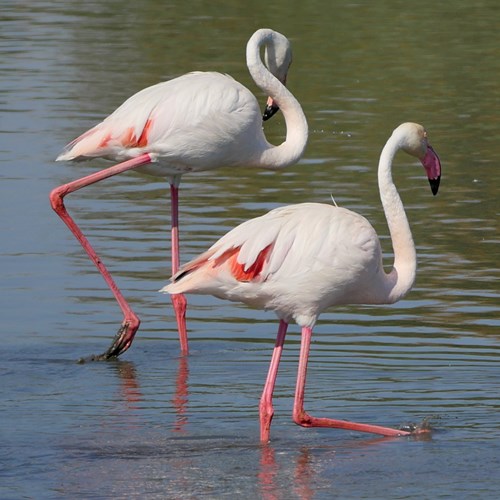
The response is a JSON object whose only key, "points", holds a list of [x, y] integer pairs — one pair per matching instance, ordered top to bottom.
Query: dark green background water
{"points": [[152, 425]]}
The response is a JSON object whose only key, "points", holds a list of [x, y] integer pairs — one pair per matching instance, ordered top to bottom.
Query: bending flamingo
{"points": [[196, 122], [298, 260]]}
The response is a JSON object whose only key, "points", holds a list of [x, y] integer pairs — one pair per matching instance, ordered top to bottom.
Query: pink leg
{"points": [[179, 301], [124, 337], [266, 410], [302, 418]]}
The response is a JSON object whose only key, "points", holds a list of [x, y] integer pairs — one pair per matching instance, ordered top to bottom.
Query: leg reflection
{"points": [[130, 387], [180, 399], [267, 474], [304, 475], [277, 481]]}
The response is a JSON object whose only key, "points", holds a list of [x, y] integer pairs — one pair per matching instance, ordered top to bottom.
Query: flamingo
{"points": [[198, 121], [298, 260]]}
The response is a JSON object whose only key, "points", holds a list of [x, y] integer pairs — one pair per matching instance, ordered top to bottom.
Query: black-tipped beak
{"points": [[270, 111], [432, 166], [435, 185]]}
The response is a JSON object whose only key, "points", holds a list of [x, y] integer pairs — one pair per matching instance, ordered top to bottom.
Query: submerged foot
{"points": [[121, 342], [424, 427]]}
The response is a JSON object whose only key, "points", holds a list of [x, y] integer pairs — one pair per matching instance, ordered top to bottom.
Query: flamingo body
{"points": [[197, 121], [301, 259], [296, 260]]}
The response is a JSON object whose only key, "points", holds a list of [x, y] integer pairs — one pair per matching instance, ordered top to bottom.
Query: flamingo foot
{"points": [[121, 342], [303, 419], [423, 429]]}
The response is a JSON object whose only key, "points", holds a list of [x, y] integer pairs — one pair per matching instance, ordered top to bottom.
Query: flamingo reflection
{"points": [[131, 391], [132, 395], [180, 399], [302, 468]]}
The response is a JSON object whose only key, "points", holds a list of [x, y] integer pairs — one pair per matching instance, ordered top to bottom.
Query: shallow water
{"points": [[155, 425]]}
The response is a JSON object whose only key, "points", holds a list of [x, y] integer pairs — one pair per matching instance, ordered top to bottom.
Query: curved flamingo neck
{"points": [[291, 150], [402, 276]]}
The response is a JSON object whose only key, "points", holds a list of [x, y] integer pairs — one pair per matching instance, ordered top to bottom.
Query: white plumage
{"points": [[202, 120], [196, 121], [199, 121], [319, 254], [301, 259]]}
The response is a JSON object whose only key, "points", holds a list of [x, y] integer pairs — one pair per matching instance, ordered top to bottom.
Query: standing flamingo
{"points": [[198, 121], [298, 260]]}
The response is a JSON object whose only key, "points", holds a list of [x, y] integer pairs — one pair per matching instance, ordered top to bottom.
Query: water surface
{"points": [[155, 425]]}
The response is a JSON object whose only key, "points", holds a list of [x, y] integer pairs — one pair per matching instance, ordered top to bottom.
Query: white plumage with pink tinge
{"points": [[198, 121], [299, 260]]}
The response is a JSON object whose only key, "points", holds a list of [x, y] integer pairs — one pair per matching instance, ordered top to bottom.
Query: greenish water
{"points": [[153, 425]]}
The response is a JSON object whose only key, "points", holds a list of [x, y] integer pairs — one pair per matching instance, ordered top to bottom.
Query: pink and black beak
{"points": [[271, 109], [432, 166]]}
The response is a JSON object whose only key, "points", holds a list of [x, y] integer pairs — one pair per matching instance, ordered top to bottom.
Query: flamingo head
{"points": [[278, 58], [413, 140]]}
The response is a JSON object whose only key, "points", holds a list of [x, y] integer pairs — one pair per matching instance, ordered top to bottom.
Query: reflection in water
{"points": [[64, 67], [130, 387], [132, 396], [180, 399], [268, 472], [300, 473], [303, 474]]}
